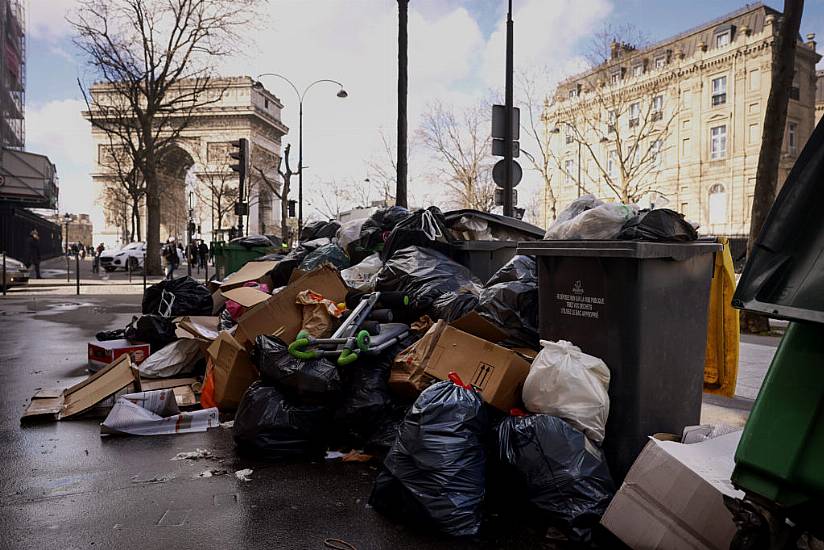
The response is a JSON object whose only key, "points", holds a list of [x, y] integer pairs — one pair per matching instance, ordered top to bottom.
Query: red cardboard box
{"points": [[104, 353]]}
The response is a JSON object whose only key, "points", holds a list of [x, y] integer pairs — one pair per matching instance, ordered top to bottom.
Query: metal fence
{"points": [[16, 225]]}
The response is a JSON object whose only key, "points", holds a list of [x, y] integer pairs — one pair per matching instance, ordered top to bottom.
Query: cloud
{"points": [[47, 19], [58, 130]]}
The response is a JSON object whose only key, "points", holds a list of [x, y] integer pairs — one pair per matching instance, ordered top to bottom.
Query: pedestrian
{"points": [[82, 248], [74, 249], [203, 250], [34, 252], [97, 252], [170, 256]]}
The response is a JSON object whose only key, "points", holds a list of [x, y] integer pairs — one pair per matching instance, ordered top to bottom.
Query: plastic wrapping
{"points": [[587, 218], [660, 225], [426, 228], [349, 232], [327, 254], [424, 275], [363, 276], [190, 297], [510, 300], [225, 321], [155, 330], [179, 357], [312, 381], [566, 382], [269, 426], [560, 472], [434, 473]]}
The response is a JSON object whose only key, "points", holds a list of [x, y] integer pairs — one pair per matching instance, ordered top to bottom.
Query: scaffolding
{"points": [[13, 74]]}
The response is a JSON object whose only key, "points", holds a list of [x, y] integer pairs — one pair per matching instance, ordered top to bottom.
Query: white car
{"points": [[132, 253], [16, 273]]}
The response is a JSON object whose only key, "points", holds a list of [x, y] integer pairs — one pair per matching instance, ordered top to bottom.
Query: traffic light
{"points": [[241, 156]]}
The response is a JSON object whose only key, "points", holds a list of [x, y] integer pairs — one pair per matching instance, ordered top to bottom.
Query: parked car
{"points": [[132, 253], [16, 273]]}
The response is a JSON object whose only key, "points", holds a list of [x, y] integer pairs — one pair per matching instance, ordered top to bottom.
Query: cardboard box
{"points": [[251, 271], [280, 312], [104, 353], [233, 370], [498, 372], [672, 497]]}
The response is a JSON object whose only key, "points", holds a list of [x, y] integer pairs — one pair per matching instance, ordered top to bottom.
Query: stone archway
{"points": [[174, 164]]}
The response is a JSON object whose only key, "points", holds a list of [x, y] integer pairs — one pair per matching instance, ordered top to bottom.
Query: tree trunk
{"points": [[403, 62], [772, 138], [284, 210], [136, 218], [152, 262]]}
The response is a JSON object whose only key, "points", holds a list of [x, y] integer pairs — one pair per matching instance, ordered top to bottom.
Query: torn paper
{"points": [[155, 413]]}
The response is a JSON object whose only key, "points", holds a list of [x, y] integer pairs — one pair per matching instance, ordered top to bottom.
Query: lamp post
{"points": [[341, 94], [66, 219]]}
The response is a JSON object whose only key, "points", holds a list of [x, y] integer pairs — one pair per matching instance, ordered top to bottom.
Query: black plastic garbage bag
{"points": [[661, 225], [423, 228], [317, 230], [374, 232], [251, 241], [327, 254], [283, 270], [425, 275], [190, 297], [510, 300], [454, 305], [225, 321], [153, 329], [312, 381], [269, 426], [434, 474], [562, 474]]}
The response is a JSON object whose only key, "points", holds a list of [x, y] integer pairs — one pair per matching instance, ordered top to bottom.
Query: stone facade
{"points": [[694, 111], [196, 173]]}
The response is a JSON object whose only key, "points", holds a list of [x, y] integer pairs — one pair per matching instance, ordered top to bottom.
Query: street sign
{"points": [[498, 118], [499, 151], [498, 173], [499, 196], [241, 209]]}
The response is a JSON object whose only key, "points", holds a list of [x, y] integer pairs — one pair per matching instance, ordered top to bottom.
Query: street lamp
{"points": [[341, 94]]}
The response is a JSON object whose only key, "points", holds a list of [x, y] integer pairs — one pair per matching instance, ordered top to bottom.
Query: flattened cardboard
{"points": [[251, 271], [246, 296], [280, 312], [473, 323], [200, 327], [233, 371], [498, 372], [107, 381], [149, 384], [82, 396], [672, 497]]}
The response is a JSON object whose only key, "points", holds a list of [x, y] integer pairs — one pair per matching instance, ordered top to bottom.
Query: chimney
{"points": [[811, 40]]}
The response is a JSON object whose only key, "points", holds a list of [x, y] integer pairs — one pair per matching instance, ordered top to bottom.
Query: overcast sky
{"points": [[456, 56]]}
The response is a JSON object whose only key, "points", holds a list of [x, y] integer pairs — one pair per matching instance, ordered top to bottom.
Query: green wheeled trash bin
{"points": [[230, 257], [641, 307]]}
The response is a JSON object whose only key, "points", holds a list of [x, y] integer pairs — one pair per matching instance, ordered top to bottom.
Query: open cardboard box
{"points": [[280, 313], [232, 370]]}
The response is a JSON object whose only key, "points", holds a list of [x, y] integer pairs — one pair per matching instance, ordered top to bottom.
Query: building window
{"points": [[722, 39], [660, 61], [638, 70], [615, 77], [755, 80], [719, 90], [795, 92], [573, 93], [266, 104], [657, 107], [753, 108], [634, 114], [612, 121], [569, 134], [755, 135], [792, 137], [718, 142], [685, 147], [656, 153], [612, 163], [569, 168], [718, 204], [684, 206]]}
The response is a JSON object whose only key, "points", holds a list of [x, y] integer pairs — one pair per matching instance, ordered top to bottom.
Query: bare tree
{"points": [[625, 37], [155, 59], [772, 136], [462, 144], [123, 177], [219, 184], [281, 191], [332, 198]]}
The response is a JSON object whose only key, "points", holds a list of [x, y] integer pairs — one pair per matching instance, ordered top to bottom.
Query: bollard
{"points": [[129, 265], [206, 268], [68, 269], [77, 272], [4, 273], [144, 273]]}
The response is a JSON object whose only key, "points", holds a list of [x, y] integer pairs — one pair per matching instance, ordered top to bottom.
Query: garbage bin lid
{"points": [[504, 221], [619, 249], [784, 275]]}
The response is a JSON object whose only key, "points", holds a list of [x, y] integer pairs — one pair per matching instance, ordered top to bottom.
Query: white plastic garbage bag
{"points": [[587, 218], [349, 232], [364, 275], [179, 357], [566, 382]]}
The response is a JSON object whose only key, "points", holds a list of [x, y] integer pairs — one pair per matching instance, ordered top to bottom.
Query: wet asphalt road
{"points": [[63, 486]]}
